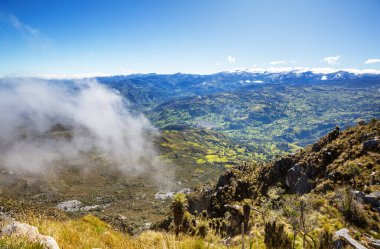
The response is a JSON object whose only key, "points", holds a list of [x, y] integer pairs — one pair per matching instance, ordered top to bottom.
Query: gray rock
{"points": [[371, 145], [293, 175], [297, 180], [302, 185], [163, 195], [359, 196], [373, 198], [70, 206], [92, 208], [20, 230], [343, 234], [48, 242], [375, 243]]}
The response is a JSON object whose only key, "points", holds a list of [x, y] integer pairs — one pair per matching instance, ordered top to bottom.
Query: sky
{"points": [[83, 38]]}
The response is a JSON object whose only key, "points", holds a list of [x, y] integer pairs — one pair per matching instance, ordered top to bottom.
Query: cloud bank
{"points": [[372, 61], [45, 122]]}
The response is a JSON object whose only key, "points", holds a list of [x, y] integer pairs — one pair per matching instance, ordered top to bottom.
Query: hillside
{"points": [[335, 182]]}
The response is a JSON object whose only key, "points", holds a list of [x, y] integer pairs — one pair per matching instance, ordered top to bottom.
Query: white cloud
{"points": [[231, 59], [332, 60], [372, 61], [282, 62], [218, 63]]}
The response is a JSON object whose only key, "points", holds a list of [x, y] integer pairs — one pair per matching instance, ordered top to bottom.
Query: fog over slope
{"points": [[42, 122]]}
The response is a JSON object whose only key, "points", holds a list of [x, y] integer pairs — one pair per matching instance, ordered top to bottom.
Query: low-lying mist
{"points": [[44, 122]]}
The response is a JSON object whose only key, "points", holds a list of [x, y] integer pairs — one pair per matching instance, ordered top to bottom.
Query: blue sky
{"points": [[91, 37]]}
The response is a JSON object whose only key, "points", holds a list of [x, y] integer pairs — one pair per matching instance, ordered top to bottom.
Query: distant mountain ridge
{"points": [[147, 90]]}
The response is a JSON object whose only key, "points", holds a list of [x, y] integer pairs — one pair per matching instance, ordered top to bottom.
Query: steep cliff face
{"points": [[341, 158]]}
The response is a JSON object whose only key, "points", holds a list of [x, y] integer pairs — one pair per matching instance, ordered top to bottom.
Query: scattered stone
{"points": [[342, 234]]}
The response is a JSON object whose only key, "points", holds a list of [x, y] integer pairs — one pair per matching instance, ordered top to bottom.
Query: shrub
{"points": [[178, 208], [352, 211], [202, 229], [276, 237], [326, 240]]}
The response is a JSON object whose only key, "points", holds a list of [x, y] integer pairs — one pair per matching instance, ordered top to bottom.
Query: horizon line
{"points": [[314, 70]]}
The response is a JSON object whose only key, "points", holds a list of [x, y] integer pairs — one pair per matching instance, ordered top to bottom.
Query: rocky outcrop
{"points": [[298, 181], [372, 199], [30, 232]]}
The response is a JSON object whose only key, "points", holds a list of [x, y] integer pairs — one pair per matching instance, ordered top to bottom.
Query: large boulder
{"points": [[371, 145], [373, 198], [19, 229], [48, 242]]}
